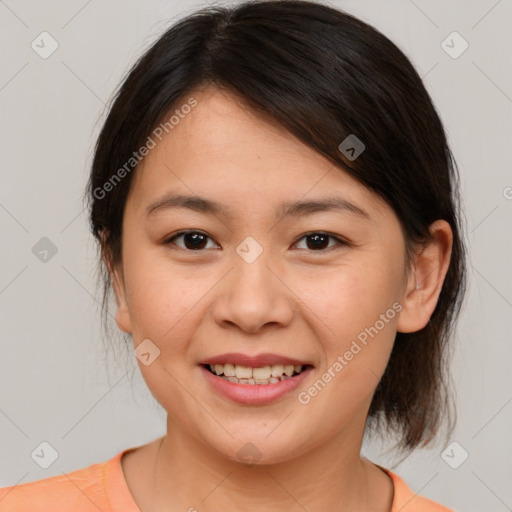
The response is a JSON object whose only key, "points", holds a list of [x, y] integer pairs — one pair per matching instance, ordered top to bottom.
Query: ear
{"points": [[425, 282], [123, 319]]}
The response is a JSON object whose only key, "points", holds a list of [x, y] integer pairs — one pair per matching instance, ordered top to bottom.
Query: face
{"points": [[311, 284]]}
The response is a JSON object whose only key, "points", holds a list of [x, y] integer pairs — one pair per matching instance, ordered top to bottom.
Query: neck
{"points": [[332, 476]]}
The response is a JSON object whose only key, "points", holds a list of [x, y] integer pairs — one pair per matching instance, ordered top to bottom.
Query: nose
{"points": [[253, 296]]}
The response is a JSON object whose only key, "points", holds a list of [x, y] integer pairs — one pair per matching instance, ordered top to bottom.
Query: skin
{"points": [[292, 300]]}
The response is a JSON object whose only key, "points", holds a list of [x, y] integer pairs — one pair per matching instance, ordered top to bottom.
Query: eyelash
{"points": [[341, 242]]}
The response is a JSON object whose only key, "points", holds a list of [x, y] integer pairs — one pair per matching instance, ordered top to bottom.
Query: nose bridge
{"points": [[252, 256], [253, 270], [252, 278], [253, 296]]}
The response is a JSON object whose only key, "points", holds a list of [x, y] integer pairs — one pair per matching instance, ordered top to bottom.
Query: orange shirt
{"points": [[102, 487]]}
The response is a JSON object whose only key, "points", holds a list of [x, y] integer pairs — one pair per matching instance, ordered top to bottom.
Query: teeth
{"points": [[288, 369], [229, 370], [277, 370], [243, 372], [263, 375], [272, 380]]}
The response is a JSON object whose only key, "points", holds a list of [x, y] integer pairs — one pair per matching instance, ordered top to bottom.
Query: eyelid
{"points": [[167, 240], [341, 241]]}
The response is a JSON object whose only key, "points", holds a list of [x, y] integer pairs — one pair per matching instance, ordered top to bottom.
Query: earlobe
{"points": [[115, 272], [425, 282], [123, 319]]}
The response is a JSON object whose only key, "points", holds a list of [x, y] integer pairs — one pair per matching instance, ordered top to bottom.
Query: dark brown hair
{"points": [[323, 75]]}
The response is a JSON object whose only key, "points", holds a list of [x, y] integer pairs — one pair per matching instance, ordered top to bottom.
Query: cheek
{"points": [[348, 301], [165, 303], [165, 307], [356, 329]]}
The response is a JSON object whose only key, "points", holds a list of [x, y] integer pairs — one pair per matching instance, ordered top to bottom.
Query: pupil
{"points": [[194, 240], [198, 240], [319, 241]]}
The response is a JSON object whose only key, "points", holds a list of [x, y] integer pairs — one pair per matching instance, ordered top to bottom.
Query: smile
{"points": [[239, 374], [251, 388]]}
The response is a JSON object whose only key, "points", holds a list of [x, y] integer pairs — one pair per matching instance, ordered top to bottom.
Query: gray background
{"points": [[57, 384]]}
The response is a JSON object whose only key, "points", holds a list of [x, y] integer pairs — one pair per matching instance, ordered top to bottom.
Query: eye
{"points": [[193, 240], [317, 241]]}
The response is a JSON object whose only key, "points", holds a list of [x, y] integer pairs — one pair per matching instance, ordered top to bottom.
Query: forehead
{"points": [[223, 149]]}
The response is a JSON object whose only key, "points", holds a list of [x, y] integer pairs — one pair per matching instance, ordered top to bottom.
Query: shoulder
{"points": [[82, 490], [405, 500]]}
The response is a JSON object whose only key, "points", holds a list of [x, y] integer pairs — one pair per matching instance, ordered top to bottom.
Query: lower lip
{"points": [[254, 394]]}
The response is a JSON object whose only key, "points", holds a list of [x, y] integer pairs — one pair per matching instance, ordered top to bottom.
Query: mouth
{"points": [[264, 375], [254, 379], [259, 385]]}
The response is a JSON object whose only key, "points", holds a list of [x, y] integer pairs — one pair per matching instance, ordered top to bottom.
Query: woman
{"points": [[276, 206]]}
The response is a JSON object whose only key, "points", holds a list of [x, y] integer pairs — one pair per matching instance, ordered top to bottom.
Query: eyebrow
{"points": [[294, 209]]}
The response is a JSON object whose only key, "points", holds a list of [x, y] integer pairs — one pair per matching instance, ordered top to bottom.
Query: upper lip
{"points": [[257, 361]]}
